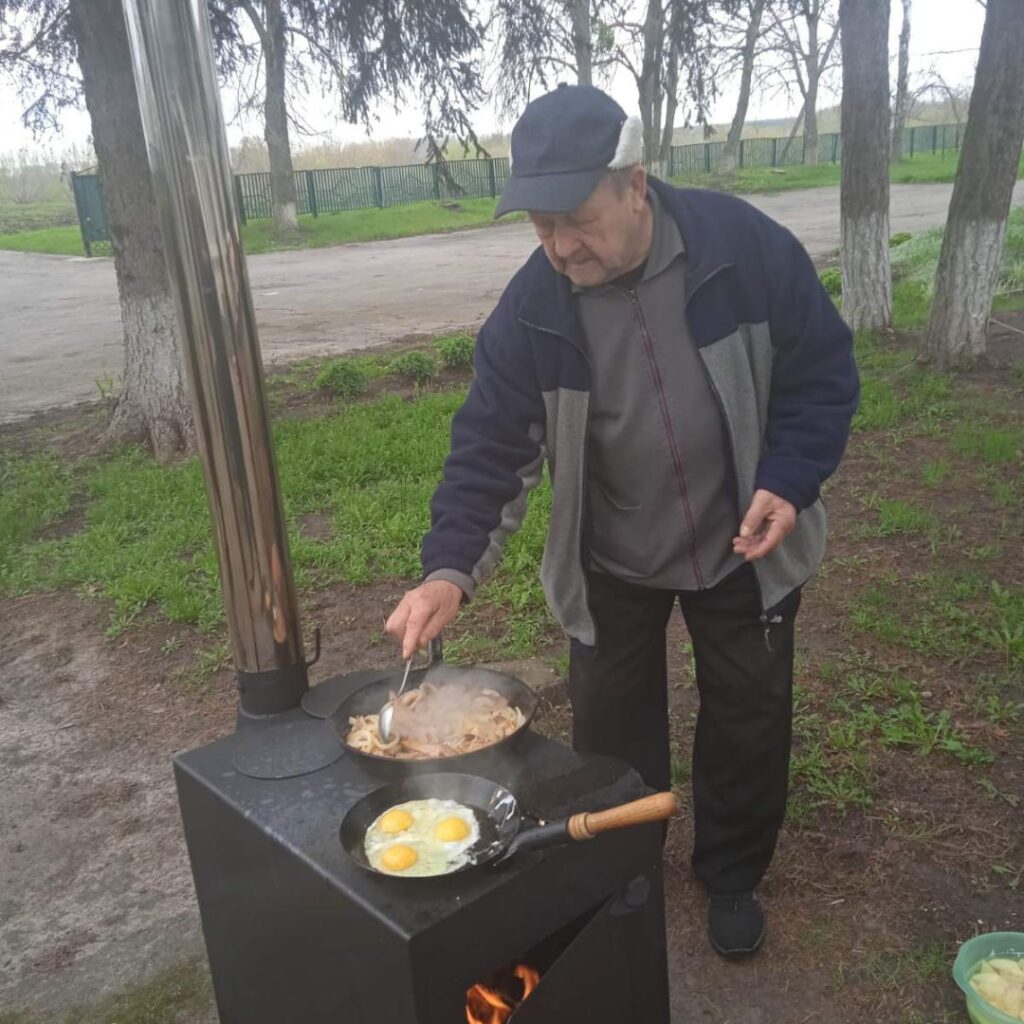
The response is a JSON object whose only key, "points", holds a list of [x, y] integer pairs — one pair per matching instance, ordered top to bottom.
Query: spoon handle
{"points": [[405, 678]]}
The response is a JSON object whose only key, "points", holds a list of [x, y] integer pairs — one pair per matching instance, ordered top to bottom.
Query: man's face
{"points": [[601, 239]]}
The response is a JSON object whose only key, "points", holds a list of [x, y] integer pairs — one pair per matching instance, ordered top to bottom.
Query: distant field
{"points": [[930, 167], [17, 217], [314, 232]]}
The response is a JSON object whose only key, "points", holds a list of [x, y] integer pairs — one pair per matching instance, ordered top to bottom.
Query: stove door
{"points": [[613, 970]]}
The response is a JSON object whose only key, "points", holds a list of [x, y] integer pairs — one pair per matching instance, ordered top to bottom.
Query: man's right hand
{"points": [[423, 613]]}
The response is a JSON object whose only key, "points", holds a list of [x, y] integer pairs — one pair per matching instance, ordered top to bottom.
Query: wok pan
{"points": [[369, 699], [505, 830]]}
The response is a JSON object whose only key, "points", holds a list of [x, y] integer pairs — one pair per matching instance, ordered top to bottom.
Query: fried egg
{"points": [[421, 838]]}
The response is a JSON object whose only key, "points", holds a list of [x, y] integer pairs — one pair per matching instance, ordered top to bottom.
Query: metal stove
{"points": [[295, 932]]}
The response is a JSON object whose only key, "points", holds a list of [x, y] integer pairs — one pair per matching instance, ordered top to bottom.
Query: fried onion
{"points": [[438, 721]]}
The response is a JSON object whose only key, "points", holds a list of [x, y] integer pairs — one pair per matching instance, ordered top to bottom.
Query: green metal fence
{"points": [[705, 157], [354, 188]]}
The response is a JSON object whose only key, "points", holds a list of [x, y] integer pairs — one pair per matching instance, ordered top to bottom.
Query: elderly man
{"points": [[674, 358]]}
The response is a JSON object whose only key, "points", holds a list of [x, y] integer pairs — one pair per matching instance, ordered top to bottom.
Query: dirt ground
{"points": [[866, 907]]}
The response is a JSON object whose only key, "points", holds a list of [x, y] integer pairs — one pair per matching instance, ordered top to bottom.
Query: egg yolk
{"points": [[395, 821], [451, 830], [398, 857]]}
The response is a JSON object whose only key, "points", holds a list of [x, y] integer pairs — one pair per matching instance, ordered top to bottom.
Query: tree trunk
{"points": [[581, 41], [649, 83], [902, 87], [811, 96], [671, 105], [792, 135], [730, 154], [282, 175], [864, 195], [975, 229], [154, 405]]}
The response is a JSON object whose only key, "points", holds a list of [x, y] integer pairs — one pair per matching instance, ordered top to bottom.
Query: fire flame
{"points": [[489, 1006]]}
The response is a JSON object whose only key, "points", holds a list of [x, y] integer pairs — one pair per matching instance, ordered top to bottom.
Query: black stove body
{"points": [[297, 934]]}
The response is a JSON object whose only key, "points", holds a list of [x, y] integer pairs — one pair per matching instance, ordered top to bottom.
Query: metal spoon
{"points": [[387, 713]]}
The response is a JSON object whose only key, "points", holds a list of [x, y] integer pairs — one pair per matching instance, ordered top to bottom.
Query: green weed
{"points": [[832, 279], [456, 351], [418, 367], [345, 377], [879, 408], [989, 444], [935, 473], [34, 493], [899, 516], [875, 612], [1006, 633], [198, 676], [910, 725], [993, 792], [893, 969]]}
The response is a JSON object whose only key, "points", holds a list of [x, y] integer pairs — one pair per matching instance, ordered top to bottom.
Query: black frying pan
{"points": [[369, 699], [504, 828]]}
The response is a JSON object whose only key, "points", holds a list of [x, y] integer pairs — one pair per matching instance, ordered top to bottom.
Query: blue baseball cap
{"points": [[563, 145]]}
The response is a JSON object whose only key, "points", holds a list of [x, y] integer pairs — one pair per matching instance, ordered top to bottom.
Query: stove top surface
{"points": [[304, 814]]}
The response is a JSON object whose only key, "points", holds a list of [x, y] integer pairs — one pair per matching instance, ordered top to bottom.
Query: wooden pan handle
{"points": [[651, 808]]}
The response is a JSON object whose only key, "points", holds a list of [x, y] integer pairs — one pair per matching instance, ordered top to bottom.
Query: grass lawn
{"points": [[926, 167], [314, 232], [914, 262], [903, 835]]}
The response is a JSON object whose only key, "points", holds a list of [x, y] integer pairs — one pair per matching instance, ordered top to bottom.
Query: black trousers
{"points": [[619, 692]]}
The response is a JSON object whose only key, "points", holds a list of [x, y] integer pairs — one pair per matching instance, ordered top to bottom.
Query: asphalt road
{"points": [[60, 328]]}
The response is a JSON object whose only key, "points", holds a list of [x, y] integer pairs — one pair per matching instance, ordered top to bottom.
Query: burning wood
{"points": [[486, 1005]]}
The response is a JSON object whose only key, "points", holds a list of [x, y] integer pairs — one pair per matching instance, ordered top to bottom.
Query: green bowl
{"points": [[972, 953]]}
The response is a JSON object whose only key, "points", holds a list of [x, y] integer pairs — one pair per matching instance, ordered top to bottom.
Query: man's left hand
{"points": [[769, 520]]}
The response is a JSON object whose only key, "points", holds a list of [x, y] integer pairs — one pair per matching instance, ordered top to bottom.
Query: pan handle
{"points": [[658, 807], [553, 833]]}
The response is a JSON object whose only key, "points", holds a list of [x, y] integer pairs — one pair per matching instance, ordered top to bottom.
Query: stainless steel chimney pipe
{"points": [[172, 61]]}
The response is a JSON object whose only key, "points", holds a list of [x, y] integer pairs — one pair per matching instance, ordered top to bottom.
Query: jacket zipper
{"points": [[673, 446]]}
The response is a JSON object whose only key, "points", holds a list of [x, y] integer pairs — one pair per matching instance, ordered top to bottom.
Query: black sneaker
{"points": [[735, 923]]}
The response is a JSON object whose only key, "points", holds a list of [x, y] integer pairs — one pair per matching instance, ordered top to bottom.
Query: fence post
{"points": [[935, 137], [911, 143], [835, 146], [741, 151], [775, 151], [707, 157], [491, 179], [437, 180], [378, 185], [311, 192], [240, 199], [86, 244]]}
